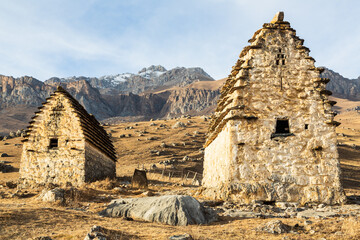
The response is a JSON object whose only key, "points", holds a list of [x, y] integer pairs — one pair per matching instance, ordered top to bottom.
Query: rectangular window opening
{"points": [[277, 61], [283, 62], [282, 126], [306, 126], [54, 142]]}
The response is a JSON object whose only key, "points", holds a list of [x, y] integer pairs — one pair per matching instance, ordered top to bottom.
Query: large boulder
{"points": [[179, 210]]}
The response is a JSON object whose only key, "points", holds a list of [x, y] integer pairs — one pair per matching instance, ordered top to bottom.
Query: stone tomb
{"points": [[273, 136], [65, 144]]}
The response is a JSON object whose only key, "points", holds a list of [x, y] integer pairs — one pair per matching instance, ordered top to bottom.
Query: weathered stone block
{"points": [[139, 179]]}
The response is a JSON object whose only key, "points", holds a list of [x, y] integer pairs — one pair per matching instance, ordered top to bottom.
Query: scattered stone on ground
{"points": [[179, 125], [5, 168], [53, 195], [179, 210], [288, 210], [274, 227], [96, 232], [101, 233], [185, 236], [43, 238]]}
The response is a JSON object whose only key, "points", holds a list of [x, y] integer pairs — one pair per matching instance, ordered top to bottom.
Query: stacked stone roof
{"points": [[240, 78], [91, 129]]}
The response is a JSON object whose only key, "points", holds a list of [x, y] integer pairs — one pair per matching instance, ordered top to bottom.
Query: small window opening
{"points": [[280, 58], [282, 126], [306, 126], [54, 142], [271, 203]]}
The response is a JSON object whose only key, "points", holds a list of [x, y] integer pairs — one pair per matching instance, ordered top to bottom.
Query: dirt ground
{"points": [[23, 216]]}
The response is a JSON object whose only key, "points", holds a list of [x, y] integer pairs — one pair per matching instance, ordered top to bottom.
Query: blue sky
{"points": [[46, 38]]}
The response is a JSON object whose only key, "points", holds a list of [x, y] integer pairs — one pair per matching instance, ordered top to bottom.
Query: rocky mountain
{"points": [[146, 79], [341, 86], [153, 92], [148, 94], [190, 101]]}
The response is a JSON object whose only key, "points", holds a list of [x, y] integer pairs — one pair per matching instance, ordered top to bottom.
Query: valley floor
{"points": [[141, 145]]}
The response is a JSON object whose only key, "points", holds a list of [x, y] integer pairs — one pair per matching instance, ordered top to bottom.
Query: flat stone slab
{"points": [[179, 210], [311, 213]]}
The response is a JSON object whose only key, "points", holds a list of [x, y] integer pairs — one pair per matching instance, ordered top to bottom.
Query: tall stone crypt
{"points": [[273, 134], [65, 144]]}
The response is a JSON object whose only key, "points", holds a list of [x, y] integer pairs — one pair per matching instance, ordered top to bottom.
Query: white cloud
{"points": [[93, 38]]}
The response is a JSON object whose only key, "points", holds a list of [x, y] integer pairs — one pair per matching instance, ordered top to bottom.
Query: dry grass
{"points": [[27, 217], [351, 227]]}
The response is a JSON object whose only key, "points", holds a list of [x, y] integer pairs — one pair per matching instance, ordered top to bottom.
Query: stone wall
{"points": [[55, 147], [245, 159], [41, 164], [97, 165]]}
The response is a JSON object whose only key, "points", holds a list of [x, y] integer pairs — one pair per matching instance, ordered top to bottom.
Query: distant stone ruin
{"points": [[273, 134], [64, 144]]}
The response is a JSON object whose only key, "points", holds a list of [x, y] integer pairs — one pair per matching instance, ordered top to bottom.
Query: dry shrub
{"points": [[106, 184], [73, 196], [351, 226]]}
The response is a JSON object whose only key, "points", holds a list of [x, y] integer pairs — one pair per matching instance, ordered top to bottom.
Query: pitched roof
{"points": [[240, 74], [93, 132]]}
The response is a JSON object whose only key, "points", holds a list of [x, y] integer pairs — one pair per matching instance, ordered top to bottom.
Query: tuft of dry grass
{"points": [[106, 184], [351, 227]]}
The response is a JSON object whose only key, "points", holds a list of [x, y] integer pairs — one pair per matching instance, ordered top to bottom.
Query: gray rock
{"points": [[179, 125], [18, 133], [53, 195], [177, 210], [309, 213], [241, 214], [307, 223], [274, 227], [96, 233], [185, 236]]}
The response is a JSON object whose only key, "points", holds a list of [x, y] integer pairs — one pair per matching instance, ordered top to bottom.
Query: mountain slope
{"points": [[341, 86], [120, 95]]}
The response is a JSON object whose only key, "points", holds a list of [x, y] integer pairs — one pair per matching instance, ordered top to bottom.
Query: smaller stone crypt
{"points": [[273, 137], [64, 144]]}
